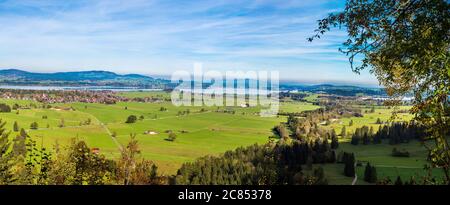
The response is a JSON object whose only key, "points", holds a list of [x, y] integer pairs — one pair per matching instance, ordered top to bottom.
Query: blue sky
{"points": [[157, 37]]}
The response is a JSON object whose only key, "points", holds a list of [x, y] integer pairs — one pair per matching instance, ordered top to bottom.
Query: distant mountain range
{"points": [[67, 76], [80, 78], [106, 78]]}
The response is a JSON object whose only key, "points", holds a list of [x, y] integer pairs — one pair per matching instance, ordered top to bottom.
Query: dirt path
{"points": [[107, 131], [113, 138], [356, 177]]}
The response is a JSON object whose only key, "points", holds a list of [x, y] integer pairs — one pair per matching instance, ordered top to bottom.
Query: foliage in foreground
{"points": [[22, 161]]}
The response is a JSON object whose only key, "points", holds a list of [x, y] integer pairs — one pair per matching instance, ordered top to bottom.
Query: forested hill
{"points": [[14, 74], [94, 78]]}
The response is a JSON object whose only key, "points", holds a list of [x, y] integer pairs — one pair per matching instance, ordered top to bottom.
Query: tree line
{"points": [[396, 133], [270, 164]]}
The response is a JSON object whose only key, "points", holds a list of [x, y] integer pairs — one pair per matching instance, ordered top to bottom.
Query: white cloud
{"points": [[150, 36]]}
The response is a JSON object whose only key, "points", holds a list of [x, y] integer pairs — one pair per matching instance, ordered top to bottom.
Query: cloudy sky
{"points": [[158, 37]]}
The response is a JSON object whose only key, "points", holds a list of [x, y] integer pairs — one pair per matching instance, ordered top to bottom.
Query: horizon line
{"points": [[307, 82]]}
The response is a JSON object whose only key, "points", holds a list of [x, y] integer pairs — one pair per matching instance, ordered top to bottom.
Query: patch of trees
{"points": [[293, 96], [151, 99], [15, 106], [4, 107], [226, 110], [184, 112], [326, 113], [131, 119], [86, 122], [379, 122], [34, 126], [307, 128], [281, 131], [396, 133], [172, 137], [399, 153], [269, 164], [349, 164], [370, 174]]}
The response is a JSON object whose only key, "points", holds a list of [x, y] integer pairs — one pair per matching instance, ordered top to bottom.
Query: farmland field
{"points": [[369, 119], [200, 131], [203, 131], [387, 166]]}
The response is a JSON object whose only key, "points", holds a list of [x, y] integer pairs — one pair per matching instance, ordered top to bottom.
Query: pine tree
{"points": [[379, 121], [15, 127], [344, 132], [377, 136], [356, 137], [366, 139], [334, 142], [19, 146], [349, 168], [367, 173], [6, 175], [319, 175], [373, 177], [398, 181]]}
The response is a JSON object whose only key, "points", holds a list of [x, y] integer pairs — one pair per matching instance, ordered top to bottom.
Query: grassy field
{"points": [[142, 94], [297, 107], [369, 119], [204, 131], [201, 132], [380, 157], [389, 166]]}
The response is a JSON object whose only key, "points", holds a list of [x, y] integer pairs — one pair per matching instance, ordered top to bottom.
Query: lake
{"points": [[94, 88]]}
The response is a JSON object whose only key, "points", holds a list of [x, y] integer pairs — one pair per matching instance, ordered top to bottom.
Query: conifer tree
{"points": [[15, 127]]}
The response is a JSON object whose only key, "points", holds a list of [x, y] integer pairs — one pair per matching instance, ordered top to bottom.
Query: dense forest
{"points": [[398, 132], [270, 164]]}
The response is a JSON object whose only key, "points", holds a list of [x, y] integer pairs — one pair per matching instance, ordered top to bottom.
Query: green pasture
{"points": [[369, 119], [200, 130], [387, 166]]}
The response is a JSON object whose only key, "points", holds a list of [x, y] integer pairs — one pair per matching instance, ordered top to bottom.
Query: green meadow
{"points": [[369, 119], [200, 130], [378, 155], [387, 166]]}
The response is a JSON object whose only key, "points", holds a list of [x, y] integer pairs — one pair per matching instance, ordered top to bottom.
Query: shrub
{"points": [[4, 107], [131, 119], [34, 126], [172, 137], [399, 153]]}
